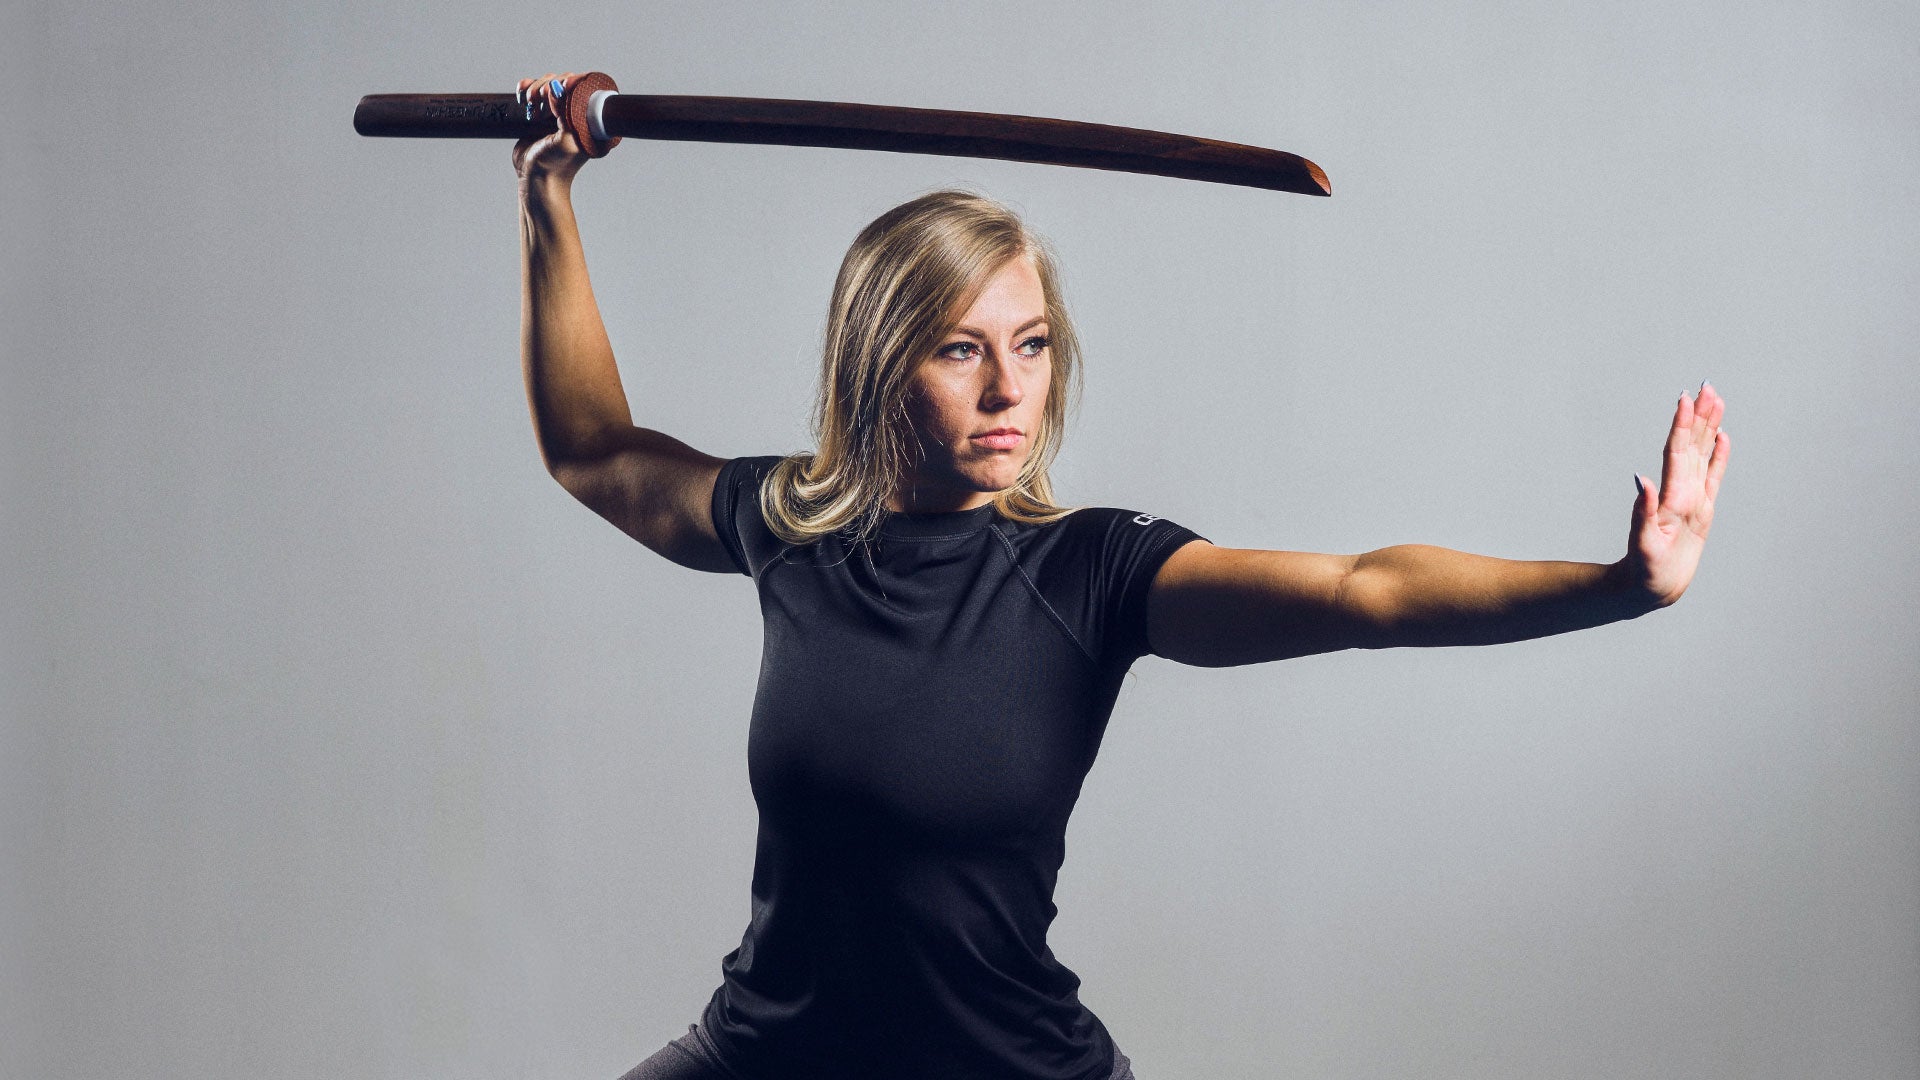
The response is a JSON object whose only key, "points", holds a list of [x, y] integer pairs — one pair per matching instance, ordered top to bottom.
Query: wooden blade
{"points": [[860, 127]]}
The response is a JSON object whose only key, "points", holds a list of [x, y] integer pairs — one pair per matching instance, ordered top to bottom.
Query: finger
{"points": [[557, 87], [564, 88], [540, 92], [524, 97], [1711, 407], [1702, 426], [1682, 428], [1699, 436], [1698, 444], [1673, 465], [1717, 467], [1645, 539]]}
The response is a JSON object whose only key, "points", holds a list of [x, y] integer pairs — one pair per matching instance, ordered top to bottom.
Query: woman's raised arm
{"points": [[654, 487], [1217, 607]]}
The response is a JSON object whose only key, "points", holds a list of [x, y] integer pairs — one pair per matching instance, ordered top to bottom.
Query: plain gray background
{"points": [[340, 742]]}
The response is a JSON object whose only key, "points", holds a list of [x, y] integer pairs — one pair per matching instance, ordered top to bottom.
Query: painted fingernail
{"points": [[559, 88]]}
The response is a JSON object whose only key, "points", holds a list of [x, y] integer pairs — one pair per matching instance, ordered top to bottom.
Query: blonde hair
{"points": [[905, 283]]}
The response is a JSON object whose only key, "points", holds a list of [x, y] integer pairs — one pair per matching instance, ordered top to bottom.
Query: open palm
{"points": [[1670, 523]]}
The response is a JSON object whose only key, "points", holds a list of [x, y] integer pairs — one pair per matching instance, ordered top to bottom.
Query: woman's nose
{"points": [[1003, 386]]}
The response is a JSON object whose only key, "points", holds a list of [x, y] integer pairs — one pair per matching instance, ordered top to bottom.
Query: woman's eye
{"points": [[967, 350]]}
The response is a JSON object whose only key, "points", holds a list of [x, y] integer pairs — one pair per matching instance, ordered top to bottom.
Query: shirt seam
{"points": [[722, 510], [884, 535], [1157, 552], [778, 558], [1014, 558], [704, 1035]]}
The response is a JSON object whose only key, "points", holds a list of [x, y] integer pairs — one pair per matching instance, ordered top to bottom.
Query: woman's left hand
{"points": [[1670, 524]]}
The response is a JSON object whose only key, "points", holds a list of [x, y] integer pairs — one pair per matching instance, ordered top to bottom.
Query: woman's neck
{"points": [[929, 499]]}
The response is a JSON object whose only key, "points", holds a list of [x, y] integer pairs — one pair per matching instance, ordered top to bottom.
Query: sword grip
{"points": [[447, 116], [480, 116]]}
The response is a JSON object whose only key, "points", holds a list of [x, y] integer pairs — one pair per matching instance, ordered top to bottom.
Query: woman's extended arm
{"points": [[654, 487], [1217, 607]]}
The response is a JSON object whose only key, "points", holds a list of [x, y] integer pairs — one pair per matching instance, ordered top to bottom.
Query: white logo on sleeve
{"points": [[1144, 519]]}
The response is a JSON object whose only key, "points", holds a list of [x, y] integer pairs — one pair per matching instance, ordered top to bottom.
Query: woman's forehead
{"points": [[1013, 294]]}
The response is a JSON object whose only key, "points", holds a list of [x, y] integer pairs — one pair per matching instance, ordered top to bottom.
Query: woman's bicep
{"points": [[658, 490], [1218, 607]]}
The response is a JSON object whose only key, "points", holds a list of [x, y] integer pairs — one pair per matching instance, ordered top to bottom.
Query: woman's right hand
{"points": [[556, 155]]}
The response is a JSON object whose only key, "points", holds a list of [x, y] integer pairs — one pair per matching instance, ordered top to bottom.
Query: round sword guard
{"points": [[574, 115]]}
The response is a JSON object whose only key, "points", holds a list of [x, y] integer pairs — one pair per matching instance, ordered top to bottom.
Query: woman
{"points": [[944, 642]]}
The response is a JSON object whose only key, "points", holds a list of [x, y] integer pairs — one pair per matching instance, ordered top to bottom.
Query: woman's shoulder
{"points": [[752, 467], [1107, 516], [737, 517], [1101, 518], [1104, 529], [1094, 567]]}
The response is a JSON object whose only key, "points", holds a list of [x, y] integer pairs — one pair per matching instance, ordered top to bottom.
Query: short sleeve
{"points": [[736, 509], [1128, 549]]}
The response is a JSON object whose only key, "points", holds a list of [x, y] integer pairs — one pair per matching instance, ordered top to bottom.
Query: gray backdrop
{"points": [[340, 742]]}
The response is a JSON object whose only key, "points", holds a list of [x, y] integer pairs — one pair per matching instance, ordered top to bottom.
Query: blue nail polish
{"points": [[559, 88]]}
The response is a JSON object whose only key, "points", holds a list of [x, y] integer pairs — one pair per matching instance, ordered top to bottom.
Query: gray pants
{"points": [[692, 1057]]}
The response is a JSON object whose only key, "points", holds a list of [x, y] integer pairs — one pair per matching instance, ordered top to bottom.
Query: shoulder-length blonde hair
{"points": [[906, 282]]}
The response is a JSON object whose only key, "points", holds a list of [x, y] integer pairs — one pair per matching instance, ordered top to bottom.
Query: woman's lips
{"points": [[999, 440]]}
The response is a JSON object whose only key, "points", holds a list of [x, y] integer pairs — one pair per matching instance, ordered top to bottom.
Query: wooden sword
{"points": [[601, 116]]}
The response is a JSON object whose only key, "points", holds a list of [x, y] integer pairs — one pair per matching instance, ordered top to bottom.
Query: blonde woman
{"points": [[944, 642]]}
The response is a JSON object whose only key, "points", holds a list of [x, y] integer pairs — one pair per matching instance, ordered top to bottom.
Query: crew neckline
{"points": [[937, 524]]}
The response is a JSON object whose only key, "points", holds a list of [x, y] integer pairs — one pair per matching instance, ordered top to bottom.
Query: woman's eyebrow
{"points": [[1021, 329]]}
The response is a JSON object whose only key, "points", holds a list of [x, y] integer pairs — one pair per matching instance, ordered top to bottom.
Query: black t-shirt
{"points": [[927, 710]]}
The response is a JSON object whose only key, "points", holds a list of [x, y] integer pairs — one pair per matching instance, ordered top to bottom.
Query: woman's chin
{"points": [[997, 473], [974, 478], [996, 481]]}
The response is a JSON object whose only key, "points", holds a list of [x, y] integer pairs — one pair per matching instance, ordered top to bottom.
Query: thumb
{"points": [[1643, 504]]}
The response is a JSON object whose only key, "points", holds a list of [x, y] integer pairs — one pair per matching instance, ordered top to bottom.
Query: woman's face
{"points": [[976, 403]]}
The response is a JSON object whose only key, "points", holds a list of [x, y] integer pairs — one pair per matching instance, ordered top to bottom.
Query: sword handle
{"points": [[447, 116], [482, 116]]}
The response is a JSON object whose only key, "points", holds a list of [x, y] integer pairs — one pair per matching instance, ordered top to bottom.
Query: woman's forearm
{"points": [[573, 385], [1420, 595]]}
